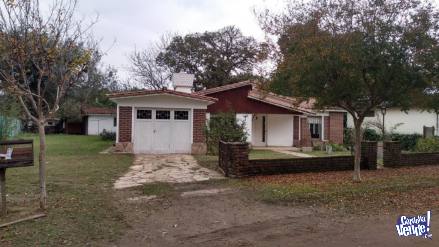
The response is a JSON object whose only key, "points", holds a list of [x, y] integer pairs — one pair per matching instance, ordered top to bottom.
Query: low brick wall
{"points": [[394, 158], [234, 162]]}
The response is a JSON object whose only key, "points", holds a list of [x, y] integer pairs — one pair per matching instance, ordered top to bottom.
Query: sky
{"points": [[126, 25]]}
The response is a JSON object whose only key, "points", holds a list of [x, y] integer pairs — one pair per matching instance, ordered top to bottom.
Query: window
{"points": [[144, 114], [162, 114], [181, 115], [114, 122], [315, 127]]}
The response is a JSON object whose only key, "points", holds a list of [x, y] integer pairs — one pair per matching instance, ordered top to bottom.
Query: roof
{"points": [[183, 80], [225, 87], [138, 93], [277, 100], [292, 103], [90, 110]]}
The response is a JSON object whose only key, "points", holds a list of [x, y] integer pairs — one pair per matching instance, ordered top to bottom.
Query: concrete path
{"points": [[297, 154], [175, 168]]}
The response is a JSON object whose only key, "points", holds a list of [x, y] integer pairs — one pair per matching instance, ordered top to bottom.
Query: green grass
{"points": [[268, 154], [325, 154], [79, 184], [158, 189]]}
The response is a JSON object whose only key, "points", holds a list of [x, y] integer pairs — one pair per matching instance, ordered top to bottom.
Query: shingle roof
{"points": [[225, 87], [128, 94], [281, 101], [91, 110]]}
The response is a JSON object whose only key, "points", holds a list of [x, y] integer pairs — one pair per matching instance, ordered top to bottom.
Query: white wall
{"points": [[247, 119], [413, 121], [97, 123], [280, 130]]}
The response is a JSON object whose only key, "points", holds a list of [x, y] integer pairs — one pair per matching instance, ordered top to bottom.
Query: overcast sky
{"points": [[128, 24]]}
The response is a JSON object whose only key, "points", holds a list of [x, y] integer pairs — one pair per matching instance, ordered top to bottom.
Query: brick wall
{"points": [[199, 122], [125, 123], [336, 127], [305, 133], [369, 154], [394, 158], [234, 162]]}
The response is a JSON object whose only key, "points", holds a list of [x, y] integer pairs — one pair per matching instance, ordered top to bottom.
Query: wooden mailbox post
{"points": [[22, 155]]}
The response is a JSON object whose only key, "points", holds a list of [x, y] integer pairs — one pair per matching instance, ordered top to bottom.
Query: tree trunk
{"points": [[357, 160], [42, 163]]}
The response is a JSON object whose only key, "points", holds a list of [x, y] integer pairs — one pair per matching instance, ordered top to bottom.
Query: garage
{"points": [[162, 130]]}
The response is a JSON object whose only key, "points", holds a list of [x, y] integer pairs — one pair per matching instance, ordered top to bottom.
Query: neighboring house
{"points": [[98, 119], [173, 121], [408, 122]]}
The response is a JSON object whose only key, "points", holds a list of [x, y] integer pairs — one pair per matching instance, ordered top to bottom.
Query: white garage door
{"points": [[162, 131]]}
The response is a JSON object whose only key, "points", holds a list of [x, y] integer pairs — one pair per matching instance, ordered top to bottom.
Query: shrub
{"points": [[224, 127], [108, 135], [371, 135], [348, 137], [407, 141], [427, 145], [337, 147]]}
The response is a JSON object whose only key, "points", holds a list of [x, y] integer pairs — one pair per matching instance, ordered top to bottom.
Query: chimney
{"points": [[183, 82]]}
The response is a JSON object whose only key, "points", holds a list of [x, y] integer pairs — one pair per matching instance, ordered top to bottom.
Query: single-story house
{"points": [[98, 119], [173, 121], [411, 121]]}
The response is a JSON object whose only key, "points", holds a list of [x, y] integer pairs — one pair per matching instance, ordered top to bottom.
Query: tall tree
{"points": [[355, 54], [41, 56], [216, 58]]}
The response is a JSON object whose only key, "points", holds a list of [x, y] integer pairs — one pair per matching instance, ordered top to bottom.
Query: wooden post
{"points": [[3, 191]]}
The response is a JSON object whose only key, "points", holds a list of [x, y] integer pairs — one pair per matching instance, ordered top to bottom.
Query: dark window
{"points": [[144, 114], [370, 114], [163, 115], [181, 115], [114, 122], [263, 128], [315, 129]]}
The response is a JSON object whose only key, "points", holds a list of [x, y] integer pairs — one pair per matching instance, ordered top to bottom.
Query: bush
{"points": [[224, 127], [108, 135], [371, 135], [348, 137], [407, 141], [427, 145], [337, 147]]}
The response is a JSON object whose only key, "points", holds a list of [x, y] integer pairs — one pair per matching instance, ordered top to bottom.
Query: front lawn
{"points": [[318, 153], [79, 185], [413, 189]]}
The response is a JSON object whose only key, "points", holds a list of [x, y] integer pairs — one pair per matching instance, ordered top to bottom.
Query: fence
{"points": [[9, 127], [393, 157], [234, 161]]}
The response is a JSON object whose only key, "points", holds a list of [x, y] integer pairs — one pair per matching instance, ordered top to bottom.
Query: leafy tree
{"points": [[42, 55], [356, 55], [216, 58]]}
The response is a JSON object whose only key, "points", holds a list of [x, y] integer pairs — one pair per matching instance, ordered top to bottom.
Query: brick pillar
{"points": [[326, 127], [336, 127], [125, 130], [296, 131], [305, 132], [199, 139], [391, 154], [369, 155], [238, 159]]}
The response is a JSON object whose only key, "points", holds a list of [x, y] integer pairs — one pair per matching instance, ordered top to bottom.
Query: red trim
{"points": [[159, 92]]}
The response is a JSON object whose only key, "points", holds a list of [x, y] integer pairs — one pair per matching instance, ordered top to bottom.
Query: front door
{"points": [[259, 132]]}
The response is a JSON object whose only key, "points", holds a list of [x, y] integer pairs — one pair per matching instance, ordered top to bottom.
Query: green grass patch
{"points": [[268, 154], [325, 154], [80, 195]]}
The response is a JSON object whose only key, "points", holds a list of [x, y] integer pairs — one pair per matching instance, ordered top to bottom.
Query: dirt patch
{"points": [[239, 219]]}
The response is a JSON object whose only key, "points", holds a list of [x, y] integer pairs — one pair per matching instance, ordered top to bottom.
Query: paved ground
{"points": [[176, 168]]}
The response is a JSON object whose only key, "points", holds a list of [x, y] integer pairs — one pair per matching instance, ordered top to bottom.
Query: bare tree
{"points": [[42, 54], [144, 66]]}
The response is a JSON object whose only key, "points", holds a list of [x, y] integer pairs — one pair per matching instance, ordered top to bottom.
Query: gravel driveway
{"points": [[174, 168]]}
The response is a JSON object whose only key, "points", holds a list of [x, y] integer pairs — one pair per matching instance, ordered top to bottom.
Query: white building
{"points": [[98, 119]]}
